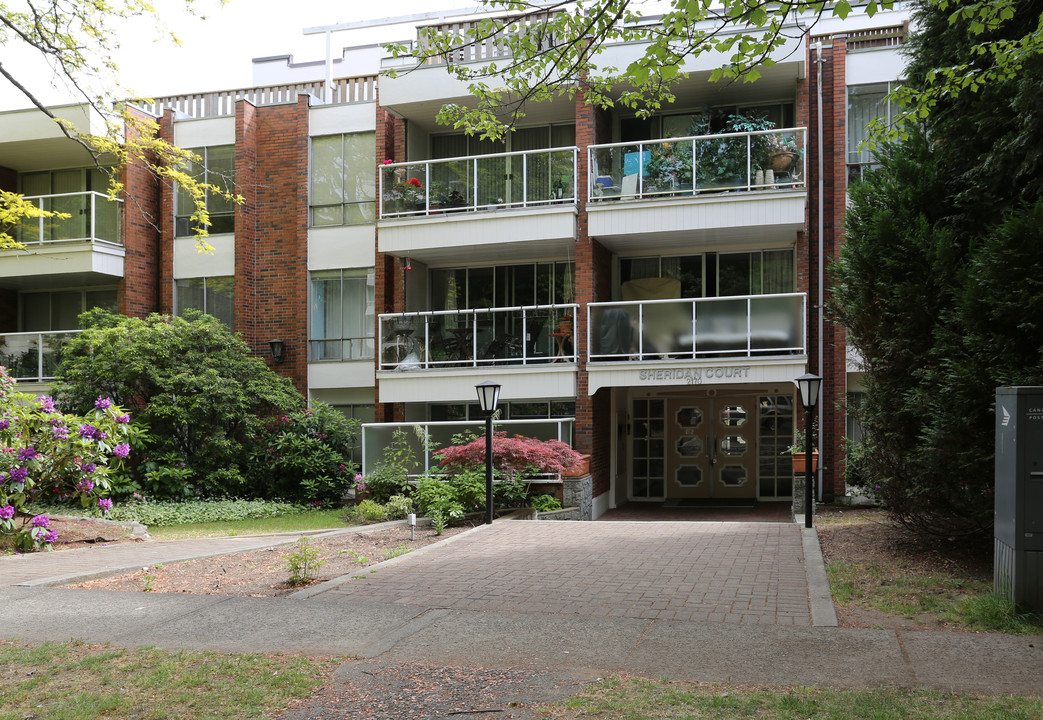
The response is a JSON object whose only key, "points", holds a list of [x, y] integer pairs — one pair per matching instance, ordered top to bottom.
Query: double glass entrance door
{"points": [[684, 448]]}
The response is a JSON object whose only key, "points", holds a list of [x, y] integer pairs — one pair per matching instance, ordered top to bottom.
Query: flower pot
{"points": [[780, 161], [800, 463], [579, 469]]}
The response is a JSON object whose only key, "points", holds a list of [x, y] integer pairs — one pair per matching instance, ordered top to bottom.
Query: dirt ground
{"points": [[864, 536], [264, 573]]}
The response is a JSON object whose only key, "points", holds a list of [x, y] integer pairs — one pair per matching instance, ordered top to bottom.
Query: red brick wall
{"points": [[140, 226], [166, 227], [271, 248]]}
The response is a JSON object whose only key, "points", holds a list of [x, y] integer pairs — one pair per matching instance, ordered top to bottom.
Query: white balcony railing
{"points": [[763, 160], [478, 182], [92, 216], [741, 326], [472, 338], [33, 356]]}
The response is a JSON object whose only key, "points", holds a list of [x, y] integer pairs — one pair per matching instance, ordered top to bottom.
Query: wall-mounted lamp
{"points": [[278, 350]]}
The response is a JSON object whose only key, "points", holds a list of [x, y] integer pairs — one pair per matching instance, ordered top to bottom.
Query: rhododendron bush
{"points": [[46, 455], [516, 455]]}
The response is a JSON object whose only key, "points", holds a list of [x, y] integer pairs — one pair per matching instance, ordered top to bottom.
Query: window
{"points": [[865, 103], [218, 169], [343, 190], [755, 273], [502, 286], [214, 296], [60, 310], [342, 314], [513, 410]]}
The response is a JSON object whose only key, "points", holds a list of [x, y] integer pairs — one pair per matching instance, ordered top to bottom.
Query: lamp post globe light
{"points": [[810, 387], [488, 396]]}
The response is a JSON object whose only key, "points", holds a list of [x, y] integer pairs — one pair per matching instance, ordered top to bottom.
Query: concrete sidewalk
{"points": [[354, 621]]}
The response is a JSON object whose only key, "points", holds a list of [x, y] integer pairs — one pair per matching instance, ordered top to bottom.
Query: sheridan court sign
{"points": [[624, 374]]}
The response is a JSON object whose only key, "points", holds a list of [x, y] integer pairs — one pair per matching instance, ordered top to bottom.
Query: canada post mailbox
{"points": [[1018, 534]]}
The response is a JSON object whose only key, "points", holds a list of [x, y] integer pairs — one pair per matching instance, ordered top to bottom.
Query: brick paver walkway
{"points": [[715, 572]]}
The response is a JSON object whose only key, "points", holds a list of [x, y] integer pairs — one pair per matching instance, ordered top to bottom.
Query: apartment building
{"points": [[646, 289]]}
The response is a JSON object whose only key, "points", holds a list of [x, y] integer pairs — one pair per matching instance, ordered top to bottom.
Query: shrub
{"points": [[206, 405], [46, 455], [512, 456], [391, 475], [438, 499], [544, 503], [398, 507], [369, 511], [154, 514], [303, 562]]}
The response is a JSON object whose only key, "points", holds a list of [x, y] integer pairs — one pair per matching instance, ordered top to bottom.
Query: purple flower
{"points": [[102, 403], [47, 404], [124, 418], [4, 424], [60, 432], [90, 432], [122, 450], [27, 453], [88, 467], [19, 474], [358, 477], [85, 485], [105, 504], [6, 512], [40, 521], [50, 536]]}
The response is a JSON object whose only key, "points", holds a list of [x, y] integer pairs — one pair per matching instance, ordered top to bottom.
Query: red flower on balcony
{"points": [[414, 182]]}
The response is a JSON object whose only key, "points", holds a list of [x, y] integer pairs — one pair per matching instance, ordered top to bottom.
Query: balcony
{"points": [[706, 187], [499, 207], [92, 217], [82, 249], [753, 338], [536, 342], [33, 356]]}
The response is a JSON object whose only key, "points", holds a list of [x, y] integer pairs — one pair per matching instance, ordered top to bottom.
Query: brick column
{"points": [[140, 225], [166, 226]]}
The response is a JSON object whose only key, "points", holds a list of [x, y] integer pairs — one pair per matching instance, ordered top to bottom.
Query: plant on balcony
{"points": [[781, 152], [723, 162], [670, 167], [406, 195]]}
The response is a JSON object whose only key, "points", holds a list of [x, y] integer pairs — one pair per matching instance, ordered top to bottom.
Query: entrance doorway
{"points": [[719, 448]]}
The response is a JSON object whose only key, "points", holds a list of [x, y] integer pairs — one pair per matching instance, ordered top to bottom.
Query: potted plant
{"points": [[781, 152], [670, 167], [798, 450]]}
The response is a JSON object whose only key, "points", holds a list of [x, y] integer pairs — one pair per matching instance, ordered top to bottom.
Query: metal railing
{"points": [[220, 103], [762, 160], [478, 182], [92, 216], [737, 326], [471, 338], [334, 349], [33, 356], [425, 437]]}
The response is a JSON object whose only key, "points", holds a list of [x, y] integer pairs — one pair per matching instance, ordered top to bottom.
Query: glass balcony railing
{"points": [[763, 160], [481, 182], [91, 216], [742, 326], [471, 338], [33, 356], [435, 435]]}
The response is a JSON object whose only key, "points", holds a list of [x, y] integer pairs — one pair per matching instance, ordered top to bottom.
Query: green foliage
{"points": [[938, 280], [219, 422], [306, 455], [391, 475], [440, 500], [544, 503], [398, 507], [369, 511], [182, 513], [303, 562]]}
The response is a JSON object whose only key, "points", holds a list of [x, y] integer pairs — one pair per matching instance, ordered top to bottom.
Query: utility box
{"points": [[1018, 533]]}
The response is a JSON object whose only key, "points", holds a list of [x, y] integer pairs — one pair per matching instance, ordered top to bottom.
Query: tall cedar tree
{"points": [[939, 282]]}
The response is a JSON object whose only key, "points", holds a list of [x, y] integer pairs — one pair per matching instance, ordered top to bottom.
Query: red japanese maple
{"points": [[511, 455]]}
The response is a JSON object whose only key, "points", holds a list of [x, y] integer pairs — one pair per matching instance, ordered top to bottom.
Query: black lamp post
{"points": [[810, 387], [488, 396]]}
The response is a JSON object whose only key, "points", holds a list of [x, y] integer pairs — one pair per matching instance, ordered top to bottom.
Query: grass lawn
{"points": [[310, 520], [73, 681], [641, 699]]}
